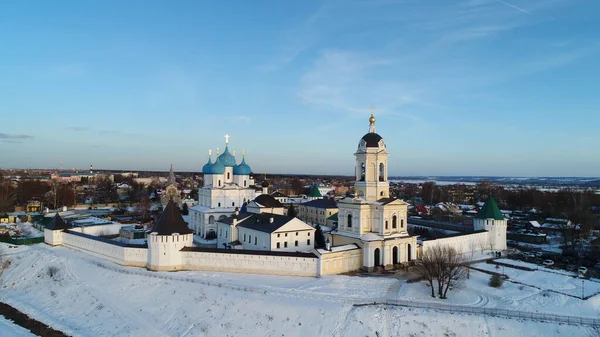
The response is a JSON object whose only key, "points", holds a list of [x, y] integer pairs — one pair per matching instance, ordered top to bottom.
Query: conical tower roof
{"points": [[314, 192], [490, 210], [171, 221], [57, 223]]}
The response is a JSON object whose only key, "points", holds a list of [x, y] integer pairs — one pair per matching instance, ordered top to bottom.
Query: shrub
{"points": [[52, 271], [496, 280]]}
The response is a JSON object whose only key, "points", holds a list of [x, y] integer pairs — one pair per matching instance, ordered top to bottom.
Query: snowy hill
{"points": [[91, 297]]}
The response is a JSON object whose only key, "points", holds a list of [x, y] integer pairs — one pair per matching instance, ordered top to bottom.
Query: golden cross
{"points": [[372, 109]]}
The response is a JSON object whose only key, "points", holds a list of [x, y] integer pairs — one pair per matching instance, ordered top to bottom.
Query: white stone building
{"points": [[227, 186], [372, 220], [265, 231]]}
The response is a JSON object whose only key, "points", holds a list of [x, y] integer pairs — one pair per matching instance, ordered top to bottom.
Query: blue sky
{"points": [[474, 87]]}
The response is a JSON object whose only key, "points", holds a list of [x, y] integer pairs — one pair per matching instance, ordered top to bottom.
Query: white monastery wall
{"points": [[462, 243], [250, 263]]}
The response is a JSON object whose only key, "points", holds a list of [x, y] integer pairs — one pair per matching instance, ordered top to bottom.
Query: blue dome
{"points": [[227, 158], [218, 167], [207, 168], [242, 169]]}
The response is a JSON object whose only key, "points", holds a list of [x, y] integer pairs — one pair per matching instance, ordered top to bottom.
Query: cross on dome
{"points": [[372, 120], [227, 139]]}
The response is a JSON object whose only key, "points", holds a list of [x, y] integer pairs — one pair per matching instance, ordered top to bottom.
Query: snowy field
{"points": [[91, 297], [10, 329]]}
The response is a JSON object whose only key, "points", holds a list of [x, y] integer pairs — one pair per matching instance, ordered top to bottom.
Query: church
{"points": [[227, 186], [171, 192], [371, 219]]}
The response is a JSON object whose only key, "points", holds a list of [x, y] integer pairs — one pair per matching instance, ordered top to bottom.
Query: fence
{"points": [[22, 241], [497, 312]]}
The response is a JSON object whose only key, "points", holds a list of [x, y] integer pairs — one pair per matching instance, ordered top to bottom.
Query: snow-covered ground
{"points": [[92, 297], [10, 329]]}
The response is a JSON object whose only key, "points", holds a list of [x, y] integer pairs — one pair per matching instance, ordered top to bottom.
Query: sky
{"points": [[471, 87]]}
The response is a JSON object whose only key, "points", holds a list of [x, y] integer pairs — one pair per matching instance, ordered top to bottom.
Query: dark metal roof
{"points": [[372, 139], [268, 201], [386, 201], [321, 203], [171, 221], [260, 222], [57, 223], [105, 240]]}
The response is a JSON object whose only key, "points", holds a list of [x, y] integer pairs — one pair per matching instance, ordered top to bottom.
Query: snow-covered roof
{"points": [[535, 224], [337, 249]]}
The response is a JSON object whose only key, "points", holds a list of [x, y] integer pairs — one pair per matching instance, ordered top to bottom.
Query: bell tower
{"points": [[372, 165]]}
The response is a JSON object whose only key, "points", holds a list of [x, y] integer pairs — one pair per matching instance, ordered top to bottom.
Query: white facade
{"points": [[227, 186], [372, 220], [496, 229], [292, 236]]}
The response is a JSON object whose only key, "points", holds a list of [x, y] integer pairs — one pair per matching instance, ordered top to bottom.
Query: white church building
{"points": [[227, 186], [372, 220]]}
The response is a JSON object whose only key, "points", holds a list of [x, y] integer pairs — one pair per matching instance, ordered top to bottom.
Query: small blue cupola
{"points": [[207, 168], [242, 169]]}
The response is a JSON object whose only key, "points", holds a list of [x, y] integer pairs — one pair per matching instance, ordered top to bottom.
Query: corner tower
{"points": [[372, 165], [491, 219]]}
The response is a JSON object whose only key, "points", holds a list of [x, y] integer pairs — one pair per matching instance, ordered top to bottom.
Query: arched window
{"points": [[362, 171], [381, 172], [228, 175], [219, 182], [244, 183], [211, 219], [349, 220], [394, 222], [401, 223], [386, 224]]}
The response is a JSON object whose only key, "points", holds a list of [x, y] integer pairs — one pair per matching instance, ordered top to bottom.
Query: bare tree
{"points": [[7, 195], [482, 245], [472, 248], [442, 265], [426, 267], [452, 270]]}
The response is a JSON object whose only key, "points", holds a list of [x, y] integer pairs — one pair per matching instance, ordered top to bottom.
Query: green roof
{"points": [[314, 192], [490, 210], [333, 217]]}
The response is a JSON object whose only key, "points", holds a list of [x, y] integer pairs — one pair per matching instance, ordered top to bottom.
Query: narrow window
{"points": [[227, 175], [219, 182], [244, 183], [219, 204], [233, 204], [349, 220], [394, 222], [401, 223], [386, 224], [296, 233], [308, 233], [285, 234], [225, 235], [278, 235], [244, 237], [249, 238], [255, 240], [308, 242], [296, 243], [285, 244], [278, 245]]}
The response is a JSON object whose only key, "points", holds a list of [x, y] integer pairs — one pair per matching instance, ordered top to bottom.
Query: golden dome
{"points": [[372, 119]]}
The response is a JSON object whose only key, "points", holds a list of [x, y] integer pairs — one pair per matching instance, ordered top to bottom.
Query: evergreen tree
{"points": [[184, 209], [291, 211], [319, 238]]}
